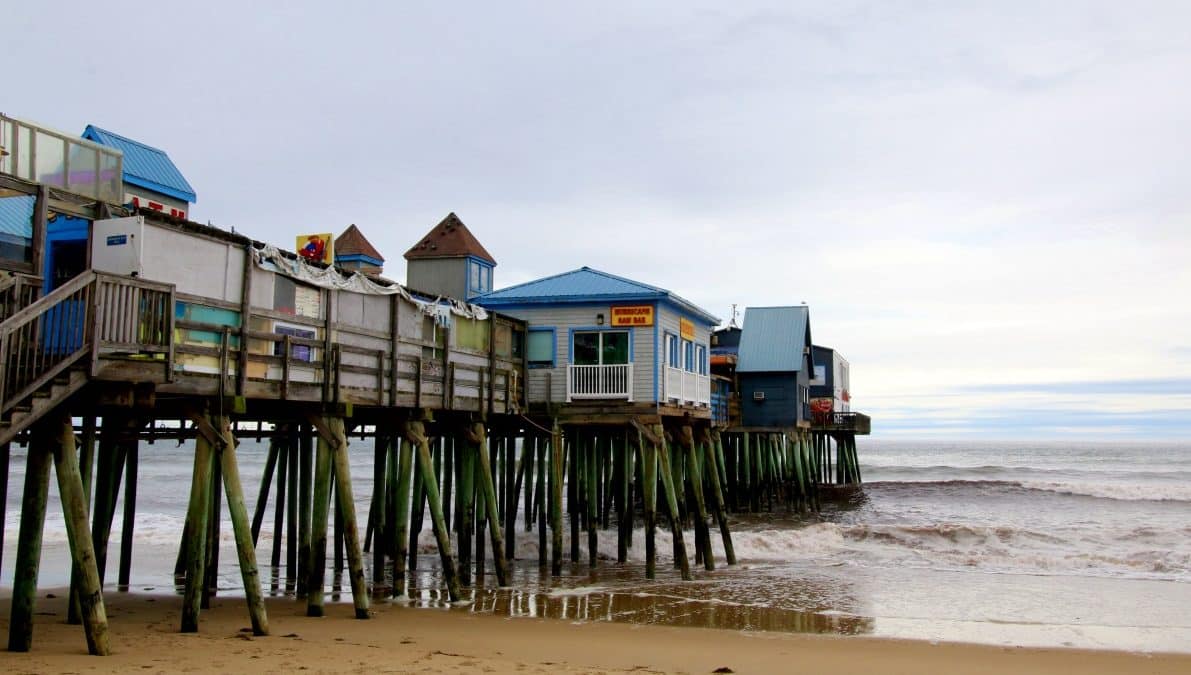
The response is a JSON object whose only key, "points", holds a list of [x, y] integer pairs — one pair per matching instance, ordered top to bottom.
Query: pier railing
{"points": [[18, 291], [92, 312], [595, 382], [687, 387], [842, 421]]}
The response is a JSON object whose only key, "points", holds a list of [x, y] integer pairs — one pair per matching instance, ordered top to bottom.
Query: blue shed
{"points": [[774, 367]]}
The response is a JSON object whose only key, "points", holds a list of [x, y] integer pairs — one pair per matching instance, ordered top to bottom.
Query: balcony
{"points": [[600, 382], [687, 388], [854, 422]]}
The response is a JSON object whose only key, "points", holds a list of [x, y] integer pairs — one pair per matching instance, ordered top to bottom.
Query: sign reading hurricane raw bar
{"points": [[633, 315], [686, 328]]}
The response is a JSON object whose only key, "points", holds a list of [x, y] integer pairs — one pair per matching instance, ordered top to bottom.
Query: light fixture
{"points": [[599, 319]]}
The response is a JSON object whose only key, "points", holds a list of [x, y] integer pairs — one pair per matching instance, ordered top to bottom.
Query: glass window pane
{"points": [[50, 156], [82, 170], [111, 180], [474, 268], [540, 348], [616, 348], [587, 349]]}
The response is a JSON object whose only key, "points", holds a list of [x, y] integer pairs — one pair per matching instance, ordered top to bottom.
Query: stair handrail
{"points": [[31, 313]]}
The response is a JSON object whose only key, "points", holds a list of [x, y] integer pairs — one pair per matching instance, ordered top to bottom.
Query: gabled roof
{"points": [[144, 165], [449, 239], [353, 242], [585, 285], [775, 339]]}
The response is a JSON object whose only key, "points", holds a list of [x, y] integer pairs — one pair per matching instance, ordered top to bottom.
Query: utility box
{"points": [[117, 245]]}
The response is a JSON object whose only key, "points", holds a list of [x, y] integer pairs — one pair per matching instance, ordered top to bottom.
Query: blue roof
{"points": [[144, 165], [16, 216], [585, 285], [775, 339]]}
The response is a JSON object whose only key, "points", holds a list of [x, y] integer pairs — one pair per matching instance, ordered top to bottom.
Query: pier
{"points": [[575, 415]]}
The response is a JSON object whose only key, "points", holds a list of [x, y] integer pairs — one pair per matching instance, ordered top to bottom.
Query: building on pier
{"points": [[603, 344], [773, 367]]}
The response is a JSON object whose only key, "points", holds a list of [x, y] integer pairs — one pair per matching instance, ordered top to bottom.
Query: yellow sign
{"points": [[317, 247], [635, 315], [686, 328]]}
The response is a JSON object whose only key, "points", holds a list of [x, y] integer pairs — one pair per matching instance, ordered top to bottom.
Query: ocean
{"points": [[1016, 543]]}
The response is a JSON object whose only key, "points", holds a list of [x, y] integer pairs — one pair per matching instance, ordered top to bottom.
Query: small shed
{"points": [[599, 337], [774, 367]]}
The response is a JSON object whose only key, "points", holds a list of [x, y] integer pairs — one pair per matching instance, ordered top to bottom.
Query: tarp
{"points": [[271, 259]]}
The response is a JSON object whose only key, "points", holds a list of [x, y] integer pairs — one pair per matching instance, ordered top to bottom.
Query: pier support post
{"points": [[415, 433], [476, 436], [710, 443], [556, 455], [404, 458], [591, 458], [333, 459], [666, 471], [694, 478], [649, 493], [465, 505], [241, 529], [195, 537], [82, 551], [24, 574]]}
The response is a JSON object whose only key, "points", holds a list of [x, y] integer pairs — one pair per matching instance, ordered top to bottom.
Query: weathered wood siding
{"points": [[444, 276]]}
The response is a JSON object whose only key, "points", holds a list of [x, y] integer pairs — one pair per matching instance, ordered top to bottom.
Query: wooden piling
{"points": [[415, 434], [710, 443], [132, 453], [5, 455], [556, 458], [666, 471], [695, 482], [592, 490], [573, 492], [649, 492], [262, 500], [305, 504], [466, 504], [279, 507], [33, 508], [347, 509], [377, 513], [401, 513], [197, 514], [319, 520], [241, 529], [498, 549], [82, 551]]}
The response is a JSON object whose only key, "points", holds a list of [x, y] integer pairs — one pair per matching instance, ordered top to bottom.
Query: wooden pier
{"points": [[261, 345]]}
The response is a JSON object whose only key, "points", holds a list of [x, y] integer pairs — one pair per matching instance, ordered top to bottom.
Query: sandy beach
{"points": [[400, 639]]}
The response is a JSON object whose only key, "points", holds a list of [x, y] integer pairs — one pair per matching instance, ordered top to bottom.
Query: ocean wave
{"points": [[1152, 492]]}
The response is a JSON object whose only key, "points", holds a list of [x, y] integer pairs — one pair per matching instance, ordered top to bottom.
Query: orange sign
{"points": [[316, 247], [635, 315], [686, 328]]}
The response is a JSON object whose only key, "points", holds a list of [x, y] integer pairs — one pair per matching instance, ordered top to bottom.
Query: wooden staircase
{"points": [[41, 401]]}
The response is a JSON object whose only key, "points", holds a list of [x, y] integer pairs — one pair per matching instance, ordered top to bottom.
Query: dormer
{"points": [[354, 252], [449, 261]]}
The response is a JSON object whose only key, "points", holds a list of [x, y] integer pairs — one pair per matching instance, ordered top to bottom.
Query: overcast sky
{"points": [[985, 206]]}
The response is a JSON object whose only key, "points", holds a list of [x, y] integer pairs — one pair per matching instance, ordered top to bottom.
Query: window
{"points": [[479, 277], [471, 334], [601, 348], [539, 349], [672, 350], [688, 356], [701, 359]]}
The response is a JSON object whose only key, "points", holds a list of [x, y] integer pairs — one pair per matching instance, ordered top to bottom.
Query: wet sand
{"points": [[401, 639]]}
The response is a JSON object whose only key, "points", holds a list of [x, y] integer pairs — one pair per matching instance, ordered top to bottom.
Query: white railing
{"points": [[586, 382], [686, 387]]}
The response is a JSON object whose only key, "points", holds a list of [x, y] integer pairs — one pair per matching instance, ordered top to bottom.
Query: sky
{"points": [[985, 205]]}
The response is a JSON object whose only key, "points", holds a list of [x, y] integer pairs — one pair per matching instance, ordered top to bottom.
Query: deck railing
{"points": [[17, 292], [92, 310], [595, 382], [686, 387]]}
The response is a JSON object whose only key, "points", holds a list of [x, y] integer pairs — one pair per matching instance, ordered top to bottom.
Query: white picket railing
{"points": [[588, 382], [686, 387]]}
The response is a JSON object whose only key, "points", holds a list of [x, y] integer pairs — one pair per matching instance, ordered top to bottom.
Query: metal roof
{"points": [[144, 165], [16, 216], [585, 285], [774, 339]]}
